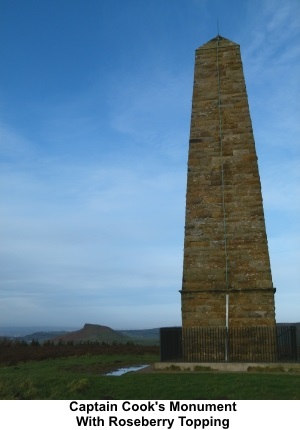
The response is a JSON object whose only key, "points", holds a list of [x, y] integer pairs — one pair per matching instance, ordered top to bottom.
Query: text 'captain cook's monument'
{"points": [[226, 272]]}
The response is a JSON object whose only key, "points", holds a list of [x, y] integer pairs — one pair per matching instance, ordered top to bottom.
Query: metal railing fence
{"points": [[236, 344]]}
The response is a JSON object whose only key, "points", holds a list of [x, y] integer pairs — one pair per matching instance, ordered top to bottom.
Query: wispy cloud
{"points": [[162, 100], [12, 144], [283, 187], [87, 228]]}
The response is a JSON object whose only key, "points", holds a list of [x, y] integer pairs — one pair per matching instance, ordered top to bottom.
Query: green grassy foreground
{"points": [[82, 377]]}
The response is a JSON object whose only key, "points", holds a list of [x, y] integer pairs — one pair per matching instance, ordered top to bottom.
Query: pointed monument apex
{"points": [[222, 41]]}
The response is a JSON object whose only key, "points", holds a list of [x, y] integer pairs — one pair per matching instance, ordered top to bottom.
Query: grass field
{"points": [[82, 377]]}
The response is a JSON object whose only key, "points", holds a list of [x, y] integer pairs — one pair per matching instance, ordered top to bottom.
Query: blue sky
{"points": [[95, 104]]}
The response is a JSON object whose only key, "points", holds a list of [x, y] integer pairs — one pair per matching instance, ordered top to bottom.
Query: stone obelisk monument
{"points": [[227, 278]]}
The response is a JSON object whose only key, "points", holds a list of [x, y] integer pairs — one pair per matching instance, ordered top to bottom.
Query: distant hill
{"points": [[297, 324], [20, 332], [93, 333], [146, 334], [41, 336]]}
